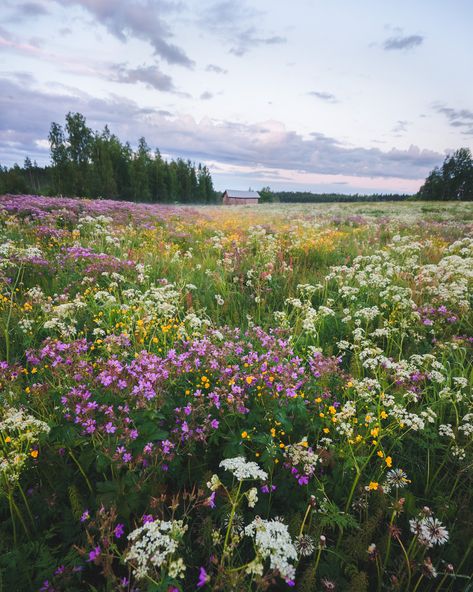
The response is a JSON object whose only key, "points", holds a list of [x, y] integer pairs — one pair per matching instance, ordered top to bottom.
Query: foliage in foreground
{"points": [[235, 399]]}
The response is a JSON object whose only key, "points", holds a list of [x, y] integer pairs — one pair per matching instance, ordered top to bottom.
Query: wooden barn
{"points": [[233, 197]]}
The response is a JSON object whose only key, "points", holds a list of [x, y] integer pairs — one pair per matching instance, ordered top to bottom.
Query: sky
{"points": [[344, 96]]}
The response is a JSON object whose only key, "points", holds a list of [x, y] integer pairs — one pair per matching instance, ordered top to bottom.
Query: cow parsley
{"points": [[243, 469], [273, 541], [153, 546]]}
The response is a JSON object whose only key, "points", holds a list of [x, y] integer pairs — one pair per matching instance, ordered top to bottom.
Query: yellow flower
{"points": [[249, 379], [349, 384], [318, 400], [332, 410], [384, 415], [326, 430], [273, 432], [374, 432], [244, 435], [8, 439], [282, 445], [34, 453], [380, 453], [389, 461], [373, 485]]}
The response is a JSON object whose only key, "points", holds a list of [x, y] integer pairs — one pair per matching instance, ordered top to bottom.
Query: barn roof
{"points": [[242, 194]]}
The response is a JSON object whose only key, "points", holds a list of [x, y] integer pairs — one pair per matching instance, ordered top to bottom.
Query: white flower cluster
{"points": [[16, 420], [19, 433], [303, 458], [243, 469], [273, 541], [153, 547]]}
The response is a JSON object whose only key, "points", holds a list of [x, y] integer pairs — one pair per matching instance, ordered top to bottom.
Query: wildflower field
{"points": [[235, 398]]}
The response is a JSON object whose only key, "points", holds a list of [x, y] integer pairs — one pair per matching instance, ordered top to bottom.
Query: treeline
{"points": [[88, 163], [453, 180], [307, 197]]}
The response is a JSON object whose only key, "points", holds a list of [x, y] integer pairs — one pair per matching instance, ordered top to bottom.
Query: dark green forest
{"points": [[87, 163], [453, 180]]}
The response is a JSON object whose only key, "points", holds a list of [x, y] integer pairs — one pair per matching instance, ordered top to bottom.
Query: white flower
{"points": [[243, 469], [214, 483], [252, 497], [429, 531], [434, 531], [273, 541], [154, 545], [304, 545]]}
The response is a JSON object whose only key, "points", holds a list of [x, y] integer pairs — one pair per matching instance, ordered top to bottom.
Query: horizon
{"points": [[312, 97]]}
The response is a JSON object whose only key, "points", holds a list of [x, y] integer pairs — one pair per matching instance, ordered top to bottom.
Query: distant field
{"points": [[235, 397]]}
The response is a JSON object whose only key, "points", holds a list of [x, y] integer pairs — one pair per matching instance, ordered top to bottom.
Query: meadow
{"points": [[235, 398]]}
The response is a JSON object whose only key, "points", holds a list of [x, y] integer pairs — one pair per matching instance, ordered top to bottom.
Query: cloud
{"points": [[30, 9], [225, 13], [129, 18], [233, 23], [249, 39], [10, 42], [403, 42], [216, 69], [151, 76], [205, 96], [324, 96], [26, 113], [460, 118], [401, 126]]}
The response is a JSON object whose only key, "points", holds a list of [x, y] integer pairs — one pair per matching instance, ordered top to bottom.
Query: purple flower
{"points": [[214, 423], [110, 428], [267, 488], [211, 500], [85, 516], [147, 518], [119, 530], [95, 553], [203, 578]]}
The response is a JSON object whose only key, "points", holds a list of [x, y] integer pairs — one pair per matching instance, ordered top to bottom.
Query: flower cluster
{"points": [[273, 541], [153, 548]]}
